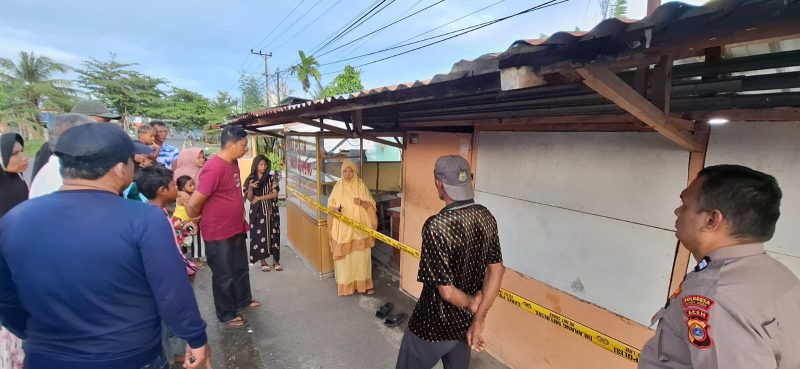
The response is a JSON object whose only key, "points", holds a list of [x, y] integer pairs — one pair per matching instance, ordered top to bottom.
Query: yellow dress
{"points": [[352, 248]]}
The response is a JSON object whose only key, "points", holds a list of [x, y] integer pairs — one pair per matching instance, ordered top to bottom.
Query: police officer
{"points": [[739, 308]]}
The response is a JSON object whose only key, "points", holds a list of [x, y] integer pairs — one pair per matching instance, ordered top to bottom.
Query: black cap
{"points": [[97, 144]]}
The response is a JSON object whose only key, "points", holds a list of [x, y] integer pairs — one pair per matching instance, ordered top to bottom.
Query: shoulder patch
{"points": [[697, 301], [698, 328]]}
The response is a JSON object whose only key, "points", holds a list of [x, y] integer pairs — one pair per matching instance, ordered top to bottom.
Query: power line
{"points": [[295, 22], [450, 22], [279, 24], [308, 25], [344, 25], [384, 27], [349, 28], [465, 31], [400, 44], [248, 57]]}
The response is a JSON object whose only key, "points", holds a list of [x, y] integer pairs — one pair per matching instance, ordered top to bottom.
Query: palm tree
{"points": [[308, 67], [35, 74]]}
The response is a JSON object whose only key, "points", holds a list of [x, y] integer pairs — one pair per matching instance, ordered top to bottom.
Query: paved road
{"points": [[304, 325]]}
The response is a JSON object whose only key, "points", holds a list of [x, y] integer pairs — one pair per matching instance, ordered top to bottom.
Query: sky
{"points": [[203, 45]]}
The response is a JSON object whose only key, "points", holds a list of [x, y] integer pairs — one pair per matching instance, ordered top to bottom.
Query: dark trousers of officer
{"points": [[230, 278], [417, 353]]}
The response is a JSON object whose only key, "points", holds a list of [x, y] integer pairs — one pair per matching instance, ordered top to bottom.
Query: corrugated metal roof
{"points": [[610, 37]]}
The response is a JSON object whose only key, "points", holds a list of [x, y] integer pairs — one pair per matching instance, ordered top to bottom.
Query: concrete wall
{"points": [[773, 148], [588, 213], [516, 337]]}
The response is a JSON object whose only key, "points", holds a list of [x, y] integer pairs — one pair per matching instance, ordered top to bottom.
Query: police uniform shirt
{"points": [[457, 245], [739, 309]]}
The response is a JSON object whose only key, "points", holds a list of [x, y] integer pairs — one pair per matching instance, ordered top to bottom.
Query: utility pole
{"points": [[266, 72], [278, 84]]}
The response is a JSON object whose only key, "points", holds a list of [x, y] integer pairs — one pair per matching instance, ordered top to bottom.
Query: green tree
{"points": [[621, 8], [306, 69], [32, 79], [346, 82], [121, 87], [252, 89], [222, 106], [190, 109], [16, 112]]}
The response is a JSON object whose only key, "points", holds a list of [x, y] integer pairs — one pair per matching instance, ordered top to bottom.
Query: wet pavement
{"points": [[303, 324]]}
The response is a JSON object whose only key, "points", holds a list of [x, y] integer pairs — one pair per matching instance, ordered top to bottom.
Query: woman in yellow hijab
{"points": [[352, 248]]}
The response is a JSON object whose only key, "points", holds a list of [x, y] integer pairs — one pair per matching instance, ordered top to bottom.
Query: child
{"points": [[147, 136], [157, 185], [185, 225]]}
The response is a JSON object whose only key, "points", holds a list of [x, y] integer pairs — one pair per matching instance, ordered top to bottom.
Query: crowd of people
{"points": [[117, 293]]}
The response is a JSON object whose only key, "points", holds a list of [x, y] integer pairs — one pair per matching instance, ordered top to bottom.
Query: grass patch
{"points": [[32, 146]]}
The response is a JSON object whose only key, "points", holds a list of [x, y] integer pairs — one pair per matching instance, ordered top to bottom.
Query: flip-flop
{"points": [[278, 267], [265, 268], [370, 291], [254, 304], [384, 310], [394, 320], [237, 322]]}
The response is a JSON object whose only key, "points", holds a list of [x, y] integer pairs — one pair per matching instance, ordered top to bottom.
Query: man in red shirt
{"points": [[219, 200]]}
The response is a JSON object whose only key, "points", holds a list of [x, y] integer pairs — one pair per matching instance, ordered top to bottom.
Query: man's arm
{"points": [[195, 205], [166, 274], [491, 286], [459, 298], [12, 315]]}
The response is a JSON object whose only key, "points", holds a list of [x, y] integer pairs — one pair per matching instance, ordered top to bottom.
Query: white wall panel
{"points": [[773, 148], [633, 176], [588, 213], [618, 265]]}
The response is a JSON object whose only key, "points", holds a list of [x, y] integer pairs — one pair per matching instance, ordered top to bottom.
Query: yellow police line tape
{"points": [[617, 347]]}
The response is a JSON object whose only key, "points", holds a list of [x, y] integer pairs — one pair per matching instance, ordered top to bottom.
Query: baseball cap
{"points": [[93, 108], [98, 145], [454, 173]]}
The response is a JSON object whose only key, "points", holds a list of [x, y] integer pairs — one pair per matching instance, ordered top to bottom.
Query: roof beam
{"points": [[607, 84], [346, 133]]}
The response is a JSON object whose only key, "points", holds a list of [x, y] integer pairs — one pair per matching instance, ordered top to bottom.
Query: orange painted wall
{"points": [[517, 338]]}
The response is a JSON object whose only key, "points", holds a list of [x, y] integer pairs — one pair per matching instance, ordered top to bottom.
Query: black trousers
{"points": [[230, 280], [417, 353]]}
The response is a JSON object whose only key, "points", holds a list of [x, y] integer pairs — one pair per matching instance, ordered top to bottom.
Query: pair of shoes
{"points": [[265, 268], [392, 320]]}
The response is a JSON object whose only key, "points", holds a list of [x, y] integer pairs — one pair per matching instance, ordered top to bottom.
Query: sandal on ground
{"points": [[277, 267], [265, 268], [370, 291], [254, 304], [384, 310], [394, 320], [237, 322]]}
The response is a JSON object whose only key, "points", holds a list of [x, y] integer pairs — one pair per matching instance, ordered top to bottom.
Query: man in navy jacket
{"points": [[86, 276]]}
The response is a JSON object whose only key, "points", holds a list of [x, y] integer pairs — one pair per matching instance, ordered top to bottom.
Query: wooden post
{"points": [[607, 84], [662, 84], [697, 162]]}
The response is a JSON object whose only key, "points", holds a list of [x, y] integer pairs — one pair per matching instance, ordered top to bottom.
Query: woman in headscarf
{"points": [[13, 163], [189, 163], [261, 188], [352, 248]]}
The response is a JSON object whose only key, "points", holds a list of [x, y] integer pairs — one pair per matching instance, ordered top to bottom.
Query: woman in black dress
{"points": [[13, 163], [261, 188], [13, 191]]}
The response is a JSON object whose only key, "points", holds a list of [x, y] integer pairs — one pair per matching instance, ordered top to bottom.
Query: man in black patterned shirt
{"points": [[461, 262]]}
